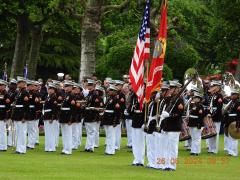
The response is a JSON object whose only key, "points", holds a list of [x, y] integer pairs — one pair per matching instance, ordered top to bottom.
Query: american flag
{"points": [[141, 52]]}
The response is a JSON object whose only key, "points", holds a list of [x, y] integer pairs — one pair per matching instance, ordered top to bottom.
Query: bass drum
{"points": [[209, 128], [234, 130], [185, 133]]}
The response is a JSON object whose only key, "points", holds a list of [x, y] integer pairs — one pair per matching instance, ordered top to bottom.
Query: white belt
{"points": [[2, 106], [18, 106], [31, 106], [90, 108], [214, 108], [65, 109], [47, 110], [109, 111], [137, 111], [232, 115], [195, 117], [152, 118]]}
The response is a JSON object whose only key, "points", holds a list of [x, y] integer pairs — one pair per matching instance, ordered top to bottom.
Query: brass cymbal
{"points": [[234, 131]]}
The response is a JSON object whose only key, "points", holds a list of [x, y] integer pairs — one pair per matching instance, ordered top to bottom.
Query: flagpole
{"points": [[146, 103]]}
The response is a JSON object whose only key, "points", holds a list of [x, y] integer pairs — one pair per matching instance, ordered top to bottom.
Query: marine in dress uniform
{"points": [[100, 90], [12, 94], [60, 96], [187, 99], [121, 100], [94, 101], [215, 106], [20, 107], [4, 109], [232, 114], [50, 115], [77, 116], [31, 117], [65, 117], [128, 119], [110, 120], [195, 123], [171, 127], [150, 128], [138, 134], [159, 137]]}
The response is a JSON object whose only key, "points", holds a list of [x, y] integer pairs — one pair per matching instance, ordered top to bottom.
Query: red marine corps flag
{"points": [[141, 52], [155, 73]]}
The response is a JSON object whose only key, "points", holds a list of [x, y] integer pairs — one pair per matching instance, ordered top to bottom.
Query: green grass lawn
{"points": [[37, 164]]}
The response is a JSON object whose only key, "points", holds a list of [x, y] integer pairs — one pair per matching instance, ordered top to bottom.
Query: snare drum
{"points": [[209, 129], [185, 133]]}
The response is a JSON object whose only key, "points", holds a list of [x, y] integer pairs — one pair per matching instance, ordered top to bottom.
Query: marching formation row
{"points": [[176, 112]]}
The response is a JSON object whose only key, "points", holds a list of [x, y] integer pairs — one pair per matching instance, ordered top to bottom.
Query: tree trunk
{"points": [[89, 34], [20, 46], [34, 51]]}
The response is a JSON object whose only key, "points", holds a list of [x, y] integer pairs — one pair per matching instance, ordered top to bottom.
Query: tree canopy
{"points": [[201, 34]]}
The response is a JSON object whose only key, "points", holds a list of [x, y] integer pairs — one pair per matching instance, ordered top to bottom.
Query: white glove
{"points": [[126, 112], [164, 115]]}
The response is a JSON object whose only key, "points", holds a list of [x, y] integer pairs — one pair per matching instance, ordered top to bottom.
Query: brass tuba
{"points": [[196, 83]]}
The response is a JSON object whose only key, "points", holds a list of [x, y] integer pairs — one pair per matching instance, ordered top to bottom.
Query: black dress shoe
{"points": [[29, 148], [3, 150], [86, 150], [90, 150], [18, 152], [63, 153], [108, 154], [139, 164], [169, 169]]}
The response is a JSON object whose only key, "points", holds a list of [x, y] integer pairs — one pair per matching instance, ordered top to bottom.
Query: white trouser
{"points": [[80, 125], [49, 129], [90, 130], [31, 131], [129, 131], [37, 132], [57, 132], [11, 133], [21, 133], [118, 134], [3, 135], [75, 135], [66, 138], [110, 139], [196, 139], [214, 141], [226, 142], [150, 143], [188, 143], [207, 143], [96, 144], [138, 145], [232, 146], [159, 154], [168, 156]]}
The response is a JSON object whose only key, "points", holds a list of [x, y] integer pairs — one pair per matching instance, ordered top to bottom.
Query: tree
{"points": [[90, 20]]}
